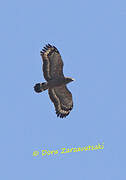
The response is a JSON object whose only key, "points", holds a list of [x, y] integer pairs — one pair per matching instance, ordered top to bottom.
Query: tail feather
{"points": [[40, 87]]}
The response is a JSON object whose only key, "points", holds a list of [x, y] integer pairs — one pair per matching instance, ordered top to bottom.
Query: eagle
{"points": [[55, 81]]}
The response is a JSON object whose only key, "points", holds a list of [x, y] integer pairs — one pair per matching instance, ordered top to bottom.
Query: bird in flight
{"points": [[55, 81]]}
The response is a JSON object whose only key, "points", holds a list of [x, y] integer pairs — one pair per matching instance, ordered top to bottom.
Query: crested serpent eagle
{"points": [[55, 81]]}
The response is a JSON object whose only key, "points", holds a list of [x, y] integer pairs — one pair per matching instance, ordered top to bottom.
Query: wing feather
{"points": [[52, 63], [62, 99]]}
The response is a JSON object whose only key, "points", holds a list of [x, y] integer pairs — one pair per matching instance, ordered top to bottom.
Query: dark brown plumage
{"points": [[56, 82]]}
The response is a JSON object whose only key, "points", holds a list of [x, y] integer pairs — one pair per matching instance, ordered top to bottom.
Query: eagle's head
{"points": [[68, 80]]}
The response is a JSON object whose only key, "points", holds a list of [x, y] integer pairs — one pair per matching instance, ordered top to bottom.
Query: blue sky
{"points": [[91, 37]]}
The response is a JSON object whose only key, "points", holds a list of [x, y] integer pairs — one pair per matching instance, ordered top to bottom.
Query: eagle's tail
{"points": [[40, 87]]}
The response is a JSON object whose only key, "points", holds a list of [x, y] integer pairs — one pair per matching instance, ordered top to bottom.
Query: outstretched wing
{"points": [[52, 63], [62, 99]]}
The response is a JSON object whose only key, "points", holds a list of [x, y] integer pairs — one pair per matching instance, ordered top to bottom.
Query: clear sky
{"points": [[91, 37]]}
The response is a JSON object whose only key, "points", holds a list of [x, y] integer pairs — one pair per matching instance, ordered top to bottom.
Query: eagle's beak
{"points": [[73, 79]]}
